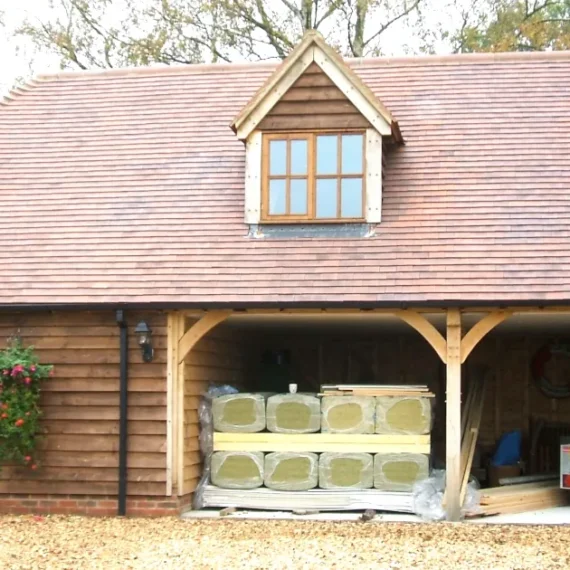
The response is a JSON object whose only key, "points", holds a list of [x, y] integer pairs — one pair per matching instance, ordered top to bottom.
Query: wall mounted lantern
{"points": [[144, 333]]}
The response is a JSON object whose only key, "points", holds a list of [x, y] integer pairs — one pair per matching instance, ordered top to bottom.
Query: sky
{"points": [[19, 59]]}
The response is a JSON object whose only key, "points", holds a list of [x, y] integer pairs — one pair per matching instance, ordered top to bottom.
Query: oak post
{"points": [[453, 409]]}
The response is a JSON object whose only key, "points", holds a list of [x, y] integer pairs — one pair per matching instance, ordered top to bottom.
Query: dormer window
{"points": [[314, 136], [313, 177]]}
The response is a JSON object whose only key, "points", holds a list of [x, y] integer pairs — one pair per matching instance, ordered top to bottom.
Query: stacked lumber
{"points": [[376, 390], [522, 498], [314, 499]]}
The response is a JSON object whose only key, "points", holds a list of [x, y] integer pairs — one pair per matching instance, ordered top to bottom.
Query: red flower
{"points": [[33, 368], [5, 372], [27, 379], [4, 406], [4, 415], [19, 422], [27, 459], [34, 466]]}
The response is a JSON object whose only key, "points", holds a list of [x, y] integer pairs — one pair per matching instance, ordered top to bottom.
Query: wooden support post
{"points": [[481, 329], [453, 408], [174, 427]]}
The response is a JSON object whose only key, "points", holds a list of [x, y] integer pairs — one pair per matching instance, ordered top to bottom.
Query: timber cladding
{"points": [[313, 102], [78, 454]]}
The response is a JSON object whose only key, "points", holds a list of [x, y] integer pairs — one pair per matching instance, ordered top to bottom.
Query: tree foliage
{"points": [[514, 25], [114, 33]]}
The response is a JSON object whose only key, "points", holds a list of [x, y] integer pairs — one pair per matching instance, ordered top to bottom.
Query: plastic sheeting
{"points": [[236, 413], [293, 413], [347, 414], [406, 415], [237, 469], [346, 470], [288, 471], [399, 471], [427, 497]]}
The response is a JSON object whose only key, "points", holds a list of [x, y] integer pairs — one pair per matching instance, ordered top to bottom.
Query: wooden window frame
{"points": [[311, 176]]}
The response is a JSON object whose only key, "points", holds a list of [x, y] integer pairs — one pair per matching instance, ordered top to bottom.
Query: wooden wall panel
{"points": [[313, 102], [218, 358], [79, 451]]}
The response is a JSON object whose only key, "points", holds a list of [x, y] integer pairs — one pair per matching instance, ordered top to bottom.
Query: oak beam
{"points": [[426, 329], [198, 330], [480, 330], [453, 410]]}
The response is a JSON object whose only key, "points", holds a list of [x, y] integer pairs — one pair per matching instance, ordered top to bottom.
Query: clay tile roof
{"points": [[128, 186]]}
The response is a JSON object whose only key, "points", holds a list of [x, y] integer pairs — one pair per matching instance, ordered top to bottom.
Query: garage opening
{"points": [[267, 354]]}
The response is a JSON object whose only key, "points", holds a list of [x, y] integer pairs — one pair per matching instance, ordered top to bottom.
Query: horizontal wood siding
{"points": [[313, 102], [218, 358], [79, 451]]}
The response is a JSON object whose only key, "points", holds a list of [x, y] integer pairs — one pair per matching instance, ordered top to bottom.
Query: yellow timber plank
{"points": [[311, 438], [320, 447]]}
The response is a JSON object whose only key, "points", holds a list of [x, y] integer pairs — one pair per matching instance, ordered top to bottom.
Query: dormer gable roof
{"points": [[314, 49]]}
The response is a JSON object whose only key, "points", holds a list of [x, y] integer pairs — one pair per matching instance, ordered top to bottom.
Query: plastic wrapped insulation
{"points": [[239, 413], [293, 413], [347, 414], [408, 415], [206, 437], [237, 469], [346, 470], [288, 471], [399, 472], [428, 497]]}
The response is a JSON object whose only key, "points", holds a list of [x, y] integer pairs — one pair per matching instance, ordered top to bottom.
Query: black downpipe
{"points": [[123, 411]]}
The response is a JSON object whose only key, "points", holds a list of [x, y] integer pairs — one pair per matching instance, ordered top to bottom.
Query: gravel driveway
{"points": [[75, 543]]}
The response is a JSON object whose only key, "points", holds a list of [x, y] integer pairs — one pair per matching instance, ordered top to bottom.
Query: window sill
{"points": [[317, 230]]}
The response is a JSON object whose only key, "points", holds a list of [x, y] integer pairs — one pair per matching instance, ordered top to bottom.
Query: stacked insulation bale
{"points": [[237, 413], [293, 413], [346, 415], [405, 415], [289, 471]]}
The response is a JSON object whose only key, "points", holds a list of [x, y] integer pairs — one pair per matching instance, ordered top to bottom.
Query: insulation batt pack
{"points": [[237, 413], [293, 413], [347, 414], [408, 415], [237, 469], [346, 470], [288, 471], [399, 471]]}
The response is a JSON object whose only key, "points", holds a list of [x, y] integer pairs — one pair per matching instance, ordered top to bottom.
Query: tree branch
{"points": [[383, 28]]}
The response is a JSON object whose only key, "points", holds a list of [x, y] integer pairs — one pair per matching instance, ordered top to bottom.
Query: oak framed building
{"points": [[383, 220]]}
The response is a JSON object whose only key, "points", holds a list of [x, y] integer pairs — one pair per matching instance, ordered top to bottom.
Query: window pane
{"points": [[326, 154], [352, 154], [298, 157], [277, 158], [298, 197], [326, 198], [351, 198], [277, 199]]}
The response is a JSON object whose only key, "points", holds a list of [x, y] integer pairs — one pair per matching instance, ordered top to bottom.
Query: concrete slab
{"points": [[556, 516]]}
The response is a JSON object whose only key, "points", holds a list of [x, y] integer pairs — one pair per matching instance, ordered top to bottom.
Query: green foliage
{"points": [[514, 25], [116, 33], [20, 377]]}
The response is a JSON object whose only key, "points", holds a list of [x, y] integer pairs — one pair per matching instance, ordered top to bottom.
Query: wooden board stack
{"points": [[376, 390], [522, 498], [315, 499]]}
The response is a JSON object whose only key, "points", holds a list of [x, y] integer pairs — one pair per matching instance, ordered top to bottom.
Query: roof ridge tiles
{"points": [[467, 58]]}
